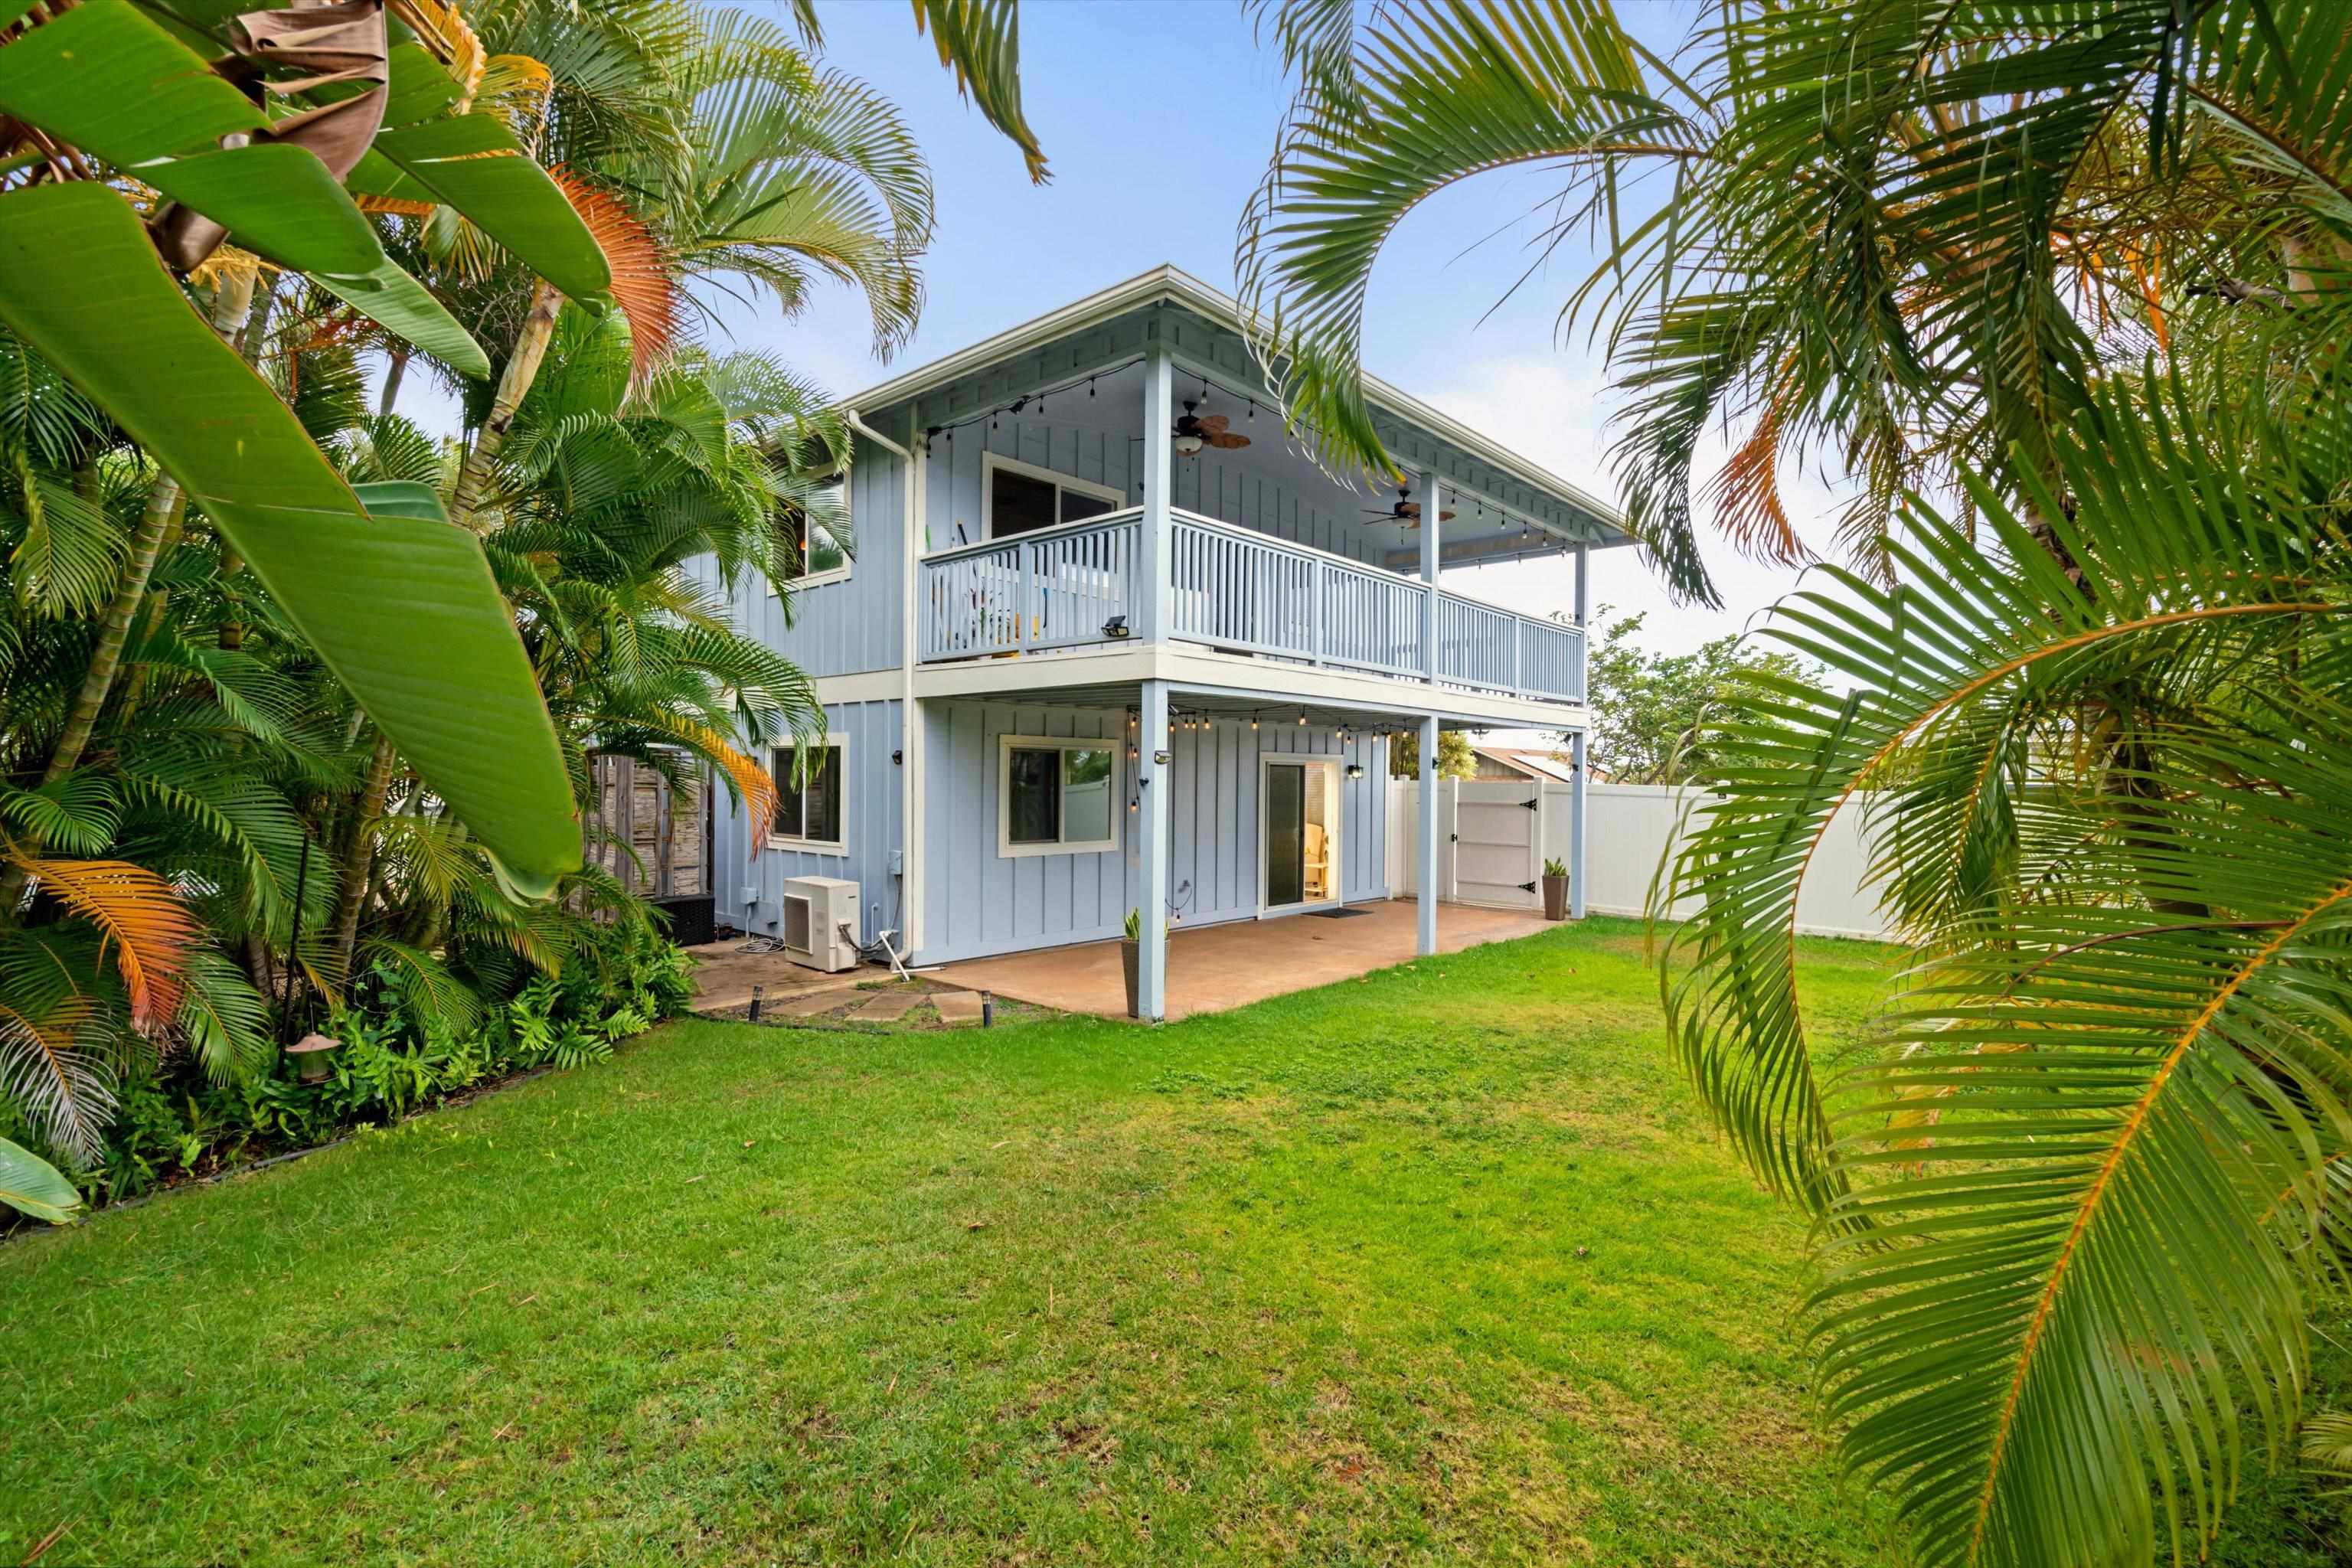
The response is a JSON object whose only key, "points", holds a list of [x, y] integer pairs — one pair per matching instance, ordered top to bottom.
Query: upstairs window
{"points": [[1022, 498], [820, 536], [808, 797], [1056, 797]]}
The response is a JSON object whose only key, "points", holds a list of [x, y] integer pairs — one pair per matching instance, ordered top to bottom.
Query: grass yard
{"points": [[1437, 1265]]}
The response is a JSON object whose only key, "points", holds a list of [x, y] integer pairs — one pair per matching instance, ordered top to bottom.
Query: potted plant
{"points": [[1555, 884], [1130, 948]]}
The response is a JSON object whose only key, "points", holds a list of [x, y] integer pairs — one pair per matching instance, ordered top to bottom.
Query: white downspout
{"points": [[910, 728]]}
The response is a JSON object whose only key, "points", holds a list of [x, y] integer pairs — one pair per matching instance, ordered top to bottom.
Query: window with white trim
{"points": [[1020, 498], [819, 535], [1056, 797], [812, 812]]}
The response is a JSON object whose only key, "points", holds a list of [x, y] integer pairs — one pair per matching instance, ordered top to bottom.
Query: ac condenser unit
{"points": [[821, 922]]}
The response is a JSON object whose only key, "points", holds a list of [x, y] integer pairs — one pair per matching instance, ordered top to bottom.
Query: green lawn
{"points": [[1441, 1265]]}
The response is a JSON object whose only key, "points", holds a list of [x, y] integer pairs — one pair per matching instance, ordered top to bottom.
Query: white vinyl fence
{"points": [[1630, 826]]}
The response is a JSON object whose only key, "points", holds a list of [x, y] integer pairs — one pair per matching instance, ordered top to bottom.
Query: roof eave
{"points": [[1172, 283]]}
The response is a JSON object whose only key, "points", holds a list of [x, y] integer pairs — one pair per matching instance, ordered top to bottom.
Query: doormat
{"points": [[1338, 914]]}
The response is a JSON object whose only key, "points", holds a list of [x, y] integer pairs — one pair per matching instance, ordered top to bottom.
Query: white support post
{"points": [[1433, 502], [1154, 549], [1583, 595], [1154, 784], [1576, 784], [1576, 832], [1425, 881]]}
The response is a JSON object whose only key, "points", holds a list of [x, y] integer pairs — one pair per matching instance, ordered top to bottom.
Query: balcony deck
{"points": [[1236, 591]]}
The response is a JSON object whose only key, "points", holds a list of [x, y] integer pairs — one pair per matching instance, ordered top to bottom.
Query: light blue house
{"points": [[1107, 641]]}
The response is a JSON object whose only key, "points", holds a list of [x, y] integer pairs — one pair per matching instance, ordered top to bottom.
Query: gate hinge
{"points": [[1535, 805], [1527, 887]]}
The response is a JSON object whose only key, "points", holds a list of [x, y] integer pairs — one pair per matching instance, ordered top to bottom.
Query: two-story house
{"points": [[1105, 640]]}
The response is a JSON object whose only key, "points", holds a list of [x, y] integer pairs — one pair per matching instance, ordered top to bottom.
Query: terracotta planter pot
{"points": [[1555, 897], [1129, 954]]}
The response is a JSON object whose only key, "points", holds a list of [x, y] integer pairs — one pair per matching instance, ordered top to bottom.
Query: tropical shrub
{"points": [[221, 785], [394, 1060]]}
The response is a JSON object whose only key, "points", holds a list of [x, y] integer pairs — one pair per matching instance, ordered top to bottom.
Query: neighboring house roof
{"points": [[1575, 512], [1530, 762]]}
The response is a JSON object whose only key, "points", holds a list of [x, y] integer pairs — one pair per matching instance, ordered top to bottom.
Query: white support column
{"points": [[1432, 503], [1583, 596], [1150, 622], [1154, 784], [1576, 786], [1576, 832], [1425, 879]]}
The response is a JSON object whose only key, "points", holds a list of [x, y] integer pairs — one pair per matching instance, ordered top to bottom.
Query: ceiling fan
{"points": [[1195, 431], [1407, 511]]}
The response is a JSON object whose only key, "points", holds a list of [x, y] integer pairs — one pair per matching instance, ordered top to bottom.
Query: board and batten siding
{"points": [[1209, 483], [854, 625], [748, 877], [977, 902]]}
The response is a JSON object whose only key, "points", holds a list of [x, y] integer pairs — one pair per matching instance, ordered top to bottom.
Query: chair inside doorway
{"points": [[1301, 826]]}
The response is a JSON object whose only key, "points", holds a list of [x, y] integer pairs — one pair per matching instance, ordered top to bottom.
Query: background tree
{"points": [[1652, 712], [1455, 760]]}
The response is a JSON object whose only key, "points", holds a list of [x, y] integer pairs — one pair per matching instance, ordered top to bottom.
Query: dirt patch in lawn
{"points": [[890, 1006]]}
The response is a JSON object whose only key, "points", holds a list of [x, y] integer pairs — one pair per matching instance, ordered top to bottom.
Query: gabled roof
{"points": [[1168, 284], [1529, 760]]}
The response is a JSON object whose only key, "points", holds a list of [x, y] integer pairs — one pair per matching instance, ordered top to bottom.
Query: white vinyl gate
{"points": [[1490, 841], [1498, 841]]}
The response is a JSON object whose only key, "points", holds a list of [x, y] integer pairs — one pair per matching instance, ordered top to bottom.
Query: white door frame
{"points": [[1338, 794]]}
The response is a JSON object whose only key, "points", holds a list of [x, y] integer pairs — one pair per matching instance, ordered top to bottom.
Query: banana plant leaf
{"points": [[108, 80], [112, 82], [420, 88], [472, 163], [276, 200], [391, 298], [402, 498], [404, 611], [32, 1185]]}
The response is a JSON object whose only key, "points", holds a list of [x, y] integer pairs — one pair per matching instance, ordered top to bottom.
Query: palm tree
{"points": [[2082, 273]]}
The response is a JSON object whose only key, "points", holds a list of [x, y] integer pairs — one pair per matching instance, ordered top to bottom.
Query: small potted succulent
{"points": [[1555, 885], [1130, 950]]}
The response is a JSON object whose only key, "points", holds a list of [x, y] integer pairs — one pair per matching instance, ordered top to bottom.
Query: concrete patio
{"points": [[1211, 968]]}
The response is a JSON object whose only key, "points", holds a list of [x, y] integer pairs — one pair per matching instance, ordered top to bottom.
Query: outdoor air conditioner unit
{"points": [[821, 922]]}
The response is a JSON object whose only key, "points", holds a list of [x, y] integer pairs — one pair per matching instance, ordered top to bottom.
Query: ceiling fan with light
{"points": [[1195, 431], [1407, 511]]}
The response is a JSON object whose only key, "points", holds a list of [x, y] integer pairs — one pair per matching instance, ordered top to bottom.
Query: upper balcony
{"points": [[1114, 474], [1235, 589]]}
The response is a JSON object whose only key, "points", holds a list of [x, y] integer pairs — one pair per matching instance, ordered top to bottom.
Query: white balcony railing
{"points": [[1232, 588]]}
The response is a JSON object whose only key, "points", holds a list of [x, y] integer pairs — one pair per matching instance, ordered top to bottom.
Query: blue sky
{"points": [[1158, 119]]}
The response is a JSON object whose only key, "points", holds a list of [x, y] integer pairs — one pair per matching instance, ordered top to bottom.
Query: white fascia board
{"points": [[1204, 671], [872, 686]]}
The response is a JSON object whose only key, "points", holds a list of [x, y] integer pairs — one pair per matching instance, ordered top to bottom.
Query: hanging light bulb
{"points": [[1302, 719], [1253, 720]]}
